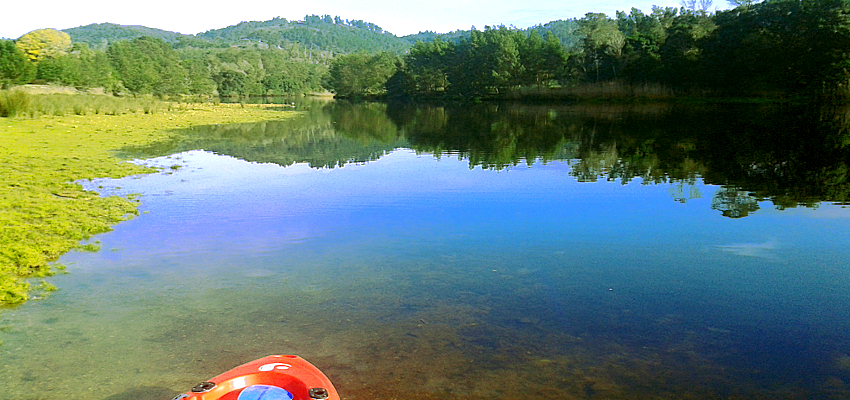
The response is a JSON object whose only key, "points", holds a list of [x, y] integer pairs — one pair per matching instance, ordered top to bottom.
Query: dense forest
{"points": [[778, 47], [775, 48], [276, 57]]}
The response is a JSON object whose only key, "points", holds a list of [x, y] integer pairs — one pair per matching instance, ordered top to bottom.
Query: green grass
{"points": [[51, 141]]}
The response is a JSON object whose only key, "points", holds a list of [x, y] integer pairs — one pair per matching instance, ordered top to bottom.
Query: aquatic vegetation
{"points": [[51, 141]]}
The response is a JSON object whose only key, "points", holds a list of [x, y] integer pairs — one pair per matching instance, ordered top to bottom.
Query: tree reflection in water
{"points": [[789, 155]]}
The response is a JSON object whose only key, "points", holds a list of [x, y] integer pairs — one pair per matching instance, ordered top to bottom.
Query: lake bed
{"points": [[407, 265]]}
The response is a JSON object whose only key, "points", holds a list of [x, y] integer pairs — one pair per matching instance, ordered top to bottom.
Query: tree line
{"points": [[776, 47], [147, 65]]}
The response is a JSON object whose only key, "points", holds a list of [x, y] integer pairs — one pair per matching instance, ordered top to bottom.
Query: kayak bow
{"points": [[269, 378]]}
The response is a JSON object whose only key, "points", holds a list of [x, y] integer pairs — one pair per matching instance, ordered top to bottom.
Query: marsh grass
{"points": [[609, 91], [14, 103], [17, 103], [21, 103], [48, 143]]}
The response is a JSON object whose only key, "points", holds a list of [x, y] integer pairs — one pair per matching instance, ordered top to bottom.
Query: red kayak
{"points": [[269, 378]]}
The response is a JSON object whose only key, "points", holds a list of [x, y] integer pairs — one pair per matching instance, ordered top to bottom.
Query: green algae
{"points": [[44, 213]]}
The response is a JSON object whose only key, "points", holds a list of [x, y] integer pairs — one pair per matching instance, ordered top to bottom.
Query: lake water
{"points": [[475, 252]]}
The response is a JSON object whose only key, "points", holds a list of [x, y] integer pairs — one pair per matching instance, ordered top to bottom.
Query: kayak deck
{"points": [[275, 377]]}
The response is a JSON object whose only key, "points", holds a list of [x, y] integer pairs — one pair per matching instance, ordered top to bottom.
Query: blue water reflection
{"points": [[419, 277]]}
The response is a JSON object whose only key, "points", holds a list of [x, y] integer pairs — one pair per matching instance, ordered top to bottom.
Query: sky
{"points": [[400, 17]]}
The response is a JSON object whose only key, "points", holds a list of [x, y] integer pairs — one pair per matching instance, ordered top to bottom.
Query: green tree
{"points": [[565, 30], [645, 34], [781, 46], [602, 47], [683, 52], [503, 56], [555, 56], [532, 59], [542, 60], [248, 62], [488, 62], [148, 65], [426, 65], [14, 66], [81, 67], [58, 69], [97, 71], [252, 71], [137, 72], [361, 74], [285, 75], [199, 80], [230, 82]]}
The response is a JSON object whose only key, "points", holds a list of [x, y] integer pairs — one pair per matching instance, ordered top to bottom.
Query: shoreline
{"points": [[46, 214]]}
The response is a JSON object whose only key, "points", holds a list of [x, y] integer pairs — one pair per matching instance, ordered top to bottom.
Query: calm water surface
{"points": [[486, 252]]}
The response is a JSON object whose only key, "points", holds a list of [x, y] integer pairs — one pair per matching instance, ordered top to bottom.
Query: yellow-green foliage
{"points": [[42, 43], [43, 213]]}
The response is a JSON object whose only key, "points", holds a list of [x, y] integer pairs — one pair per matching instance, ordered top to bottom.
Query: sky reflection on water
{"points": [[414, 277]]}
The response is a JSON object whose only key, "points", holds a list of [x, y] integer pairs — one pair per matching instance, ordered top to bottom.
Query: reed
{"points": [[611, 91], [14, 103], [18, 103], [149, 107]]}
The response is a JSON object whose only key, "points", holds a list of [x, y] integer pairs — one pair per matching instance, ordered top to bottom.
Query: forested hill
{"points": [[565, 30], [314, 33], [320, 33], [325, 33], [100, 35]]}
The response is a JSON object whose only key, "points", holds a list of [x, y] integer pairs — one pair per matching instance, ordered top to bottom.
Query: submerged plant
{"points": [[43, 212]]}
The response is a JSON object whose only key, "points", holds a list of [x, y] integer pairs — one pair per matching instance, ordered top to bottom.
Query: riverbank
{"points": [[44, 213]]}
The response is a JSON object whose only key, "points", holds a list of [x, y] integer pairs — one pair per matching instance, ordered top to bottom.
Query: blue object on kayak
{"points": [[264, 392]]}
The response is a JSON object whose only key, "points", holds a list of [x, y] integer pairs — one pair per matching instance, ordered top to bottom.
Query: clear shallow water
{"points": [[419, 277]]}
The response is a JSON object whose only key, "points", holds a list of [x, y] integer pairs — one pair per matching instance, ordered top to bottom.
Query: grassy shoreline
{"points": [[44, 214]]}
